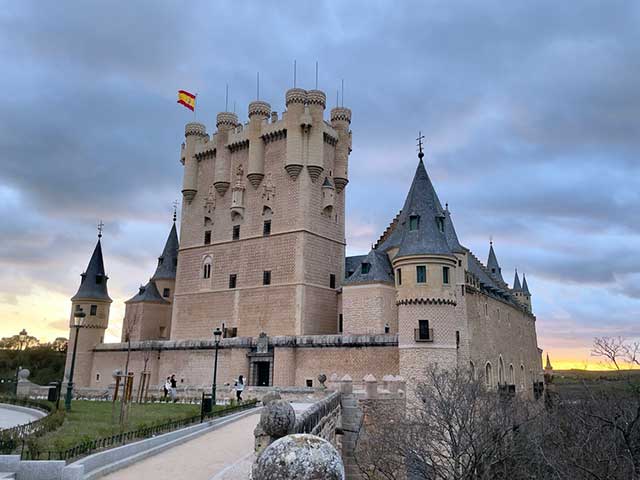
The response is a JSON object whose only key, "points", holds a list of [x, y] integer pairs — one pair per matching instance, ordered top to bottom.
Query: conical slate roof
{"points": [[450, 234], [429, 236], [168, 261], [493, 266], [379, 269], [94, 280], [516, 283], [525, 287], [148, 293], [548, 365]]}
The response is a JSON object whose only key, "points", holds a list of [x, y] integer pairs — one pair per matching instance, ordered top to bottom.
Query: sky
{"points": [[530, 112]]}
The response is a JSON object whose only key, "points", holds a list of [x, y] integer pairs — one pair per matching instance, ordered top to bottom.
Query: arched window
{"points": [[206, 268], [501, 372], [488, 376], [512, 377], [522, 379]]}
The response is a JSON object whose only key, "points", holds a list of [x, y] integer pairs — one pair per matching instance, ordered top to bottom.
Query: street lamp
{"points": [[78, 321], [217, 334], [22, 340]]}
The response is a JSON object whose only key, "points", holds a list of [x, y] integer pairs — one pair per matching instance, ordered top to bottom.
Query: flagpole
{"points": [[195, 105]]}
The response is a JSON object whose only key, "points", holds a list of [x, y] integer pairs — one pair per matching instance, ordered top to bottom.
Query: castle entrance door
{"points": [[262, 374]]}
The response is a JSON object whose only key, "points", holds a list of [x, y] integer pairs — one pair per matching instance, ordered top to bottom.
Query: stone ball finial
{"points": [[258, 107], [195, 128], [23, 374], [322, 378], [270, 398], [277, 418], [299, 457]]}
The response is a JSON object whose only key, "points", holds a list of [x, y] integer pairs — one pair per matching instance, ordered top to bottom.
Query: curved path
{"points": [[12, 415], [222, 454]]}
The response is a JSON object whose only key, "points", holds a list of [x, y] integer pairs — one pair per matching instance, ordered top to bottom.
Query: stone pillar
{"points": [[346, 385], [370, 386]]}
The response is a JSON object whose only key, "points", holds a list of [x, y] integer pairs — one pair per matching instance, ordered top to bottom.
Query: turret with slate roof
{"points": [[168, 261], [493, 266], [373, 268], [516, 283], [93, 285]]}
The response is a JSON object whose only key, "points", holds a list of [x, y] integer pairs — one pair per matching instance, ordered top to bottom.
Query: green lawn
{"points": [[91, 420]]}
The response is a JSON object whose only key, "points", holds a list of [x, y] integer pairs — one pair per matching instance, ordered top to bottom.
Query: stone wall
{"points": [[366, 309]]}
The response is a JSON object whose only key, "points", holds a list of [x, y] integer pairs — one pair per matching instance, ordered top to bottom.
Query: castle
{"points": [[262, 257]]}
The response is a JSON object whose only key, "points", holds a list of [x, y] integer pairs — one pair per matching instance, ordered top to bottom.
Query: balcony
{"points": [[422, 335]]}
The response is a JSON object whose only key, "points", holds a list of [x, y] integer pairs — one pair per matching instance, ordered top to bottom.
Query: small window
{"points": [[414, 222], [440, 223], [266, 228], [236, 232], [207, 237], [160, 260], [365, 267], [206, 270], [421, 274], [445, 275], [399, 276], [266, 277], [233, 278], [98, 279], [332, 281], [166, 292], [78, 307], [94, 310], [340, 323], [386, 328], [163, 331], [423, 333], [457, 338], [97, 377], [309, 382]]}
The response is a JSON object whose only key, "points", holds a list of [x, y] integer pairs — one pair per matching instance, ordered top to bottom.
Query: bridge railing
{"points": [[313, 418]]}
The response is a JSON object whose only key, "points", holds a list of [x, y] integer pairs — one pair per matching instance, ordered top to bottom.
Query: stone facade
{"points": [[262, 257]]}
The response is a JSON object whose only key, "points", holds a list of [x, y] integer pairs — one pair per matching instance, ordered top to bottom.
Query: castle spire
{"points": [[168, 260], [493, 265], [94, 280], [516, 282], [525, 287], [548, 365]]}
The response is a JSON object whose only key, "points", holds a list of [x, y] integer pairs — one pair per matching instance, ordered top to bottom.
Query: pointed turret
{"points": [[421, 228], [450, 232], [168, 261], [492, 264], [516, 282], [93, 285], [525, 287], [548, 365]]}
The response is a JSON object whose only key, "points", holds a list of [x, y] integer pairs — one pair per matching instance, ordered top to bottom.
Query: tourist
{"points": [[166, 387], [173, 388], [239, 388]]}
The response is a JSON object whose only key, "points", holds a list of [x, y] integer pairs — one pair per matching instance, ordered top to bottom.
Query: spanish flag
{"points": [[187, 99]]}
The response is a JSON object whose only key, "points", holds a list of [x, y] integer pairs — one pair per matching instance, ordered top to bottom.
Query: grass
{"points": [[576, 383], [89, 420]]}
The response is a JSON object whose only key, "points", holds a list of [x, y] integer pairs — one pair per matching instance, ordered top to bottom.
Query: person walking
{"points": [[166, 387], [173, 388], [239, 388]]}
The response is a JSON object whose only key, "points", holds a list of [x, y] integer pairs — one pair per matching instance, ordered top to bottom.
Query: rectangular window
{"points": [[414, 222], [266, 228], [236, 232], [207, 237], [366, 267], [206, 270], [421, 274], [445, 275], [399, 276], [266, 277], [233, 278], [332, 281], [166, 292], [78, 307], [94, 310], [340, 323], [423, 333], [457, 338], [309, 382]]}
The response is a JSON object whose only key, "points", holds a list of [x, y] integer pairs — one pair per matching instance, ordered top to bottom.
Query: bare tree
{"points": [[128, 329], [612, 349], [632, 353]]}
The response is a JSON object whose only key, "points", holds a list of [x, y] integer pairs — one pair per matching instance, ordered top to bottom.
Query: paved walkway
{"points": [[10, 417], [222, 454]]}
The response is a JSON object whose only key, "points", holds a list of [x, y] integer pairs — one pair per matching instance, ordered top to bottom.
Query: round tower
{"points": [[295, 100], [316, 103], [259, 112], [340, 121], [225, 122], [194, 133], [93, 299]]}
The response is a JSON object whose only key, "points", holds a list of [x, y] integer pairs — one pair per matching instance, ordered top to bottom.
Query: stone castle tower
{"points": [[262, 227], [93, 298]]}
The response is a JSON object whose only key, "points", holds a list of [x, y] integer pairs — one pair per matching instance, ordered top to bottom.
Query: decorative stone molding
{"points": [[295, 95], [316, 97], [258, 107], [341, 113], [226, 119], [195, 129], [274, 136], [328, 139], [239, 145], [293, 170], [314, 172], [426, 301]]}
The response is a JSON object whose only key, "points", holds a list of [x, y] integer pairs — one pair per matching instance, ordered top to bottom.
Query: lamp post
{"points": [[78, 320], [217, 334], [22, 339]]}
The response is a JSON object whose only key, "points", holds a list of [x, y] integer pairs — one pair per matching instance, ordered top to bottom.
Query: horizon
{"points": [[529, 115]]}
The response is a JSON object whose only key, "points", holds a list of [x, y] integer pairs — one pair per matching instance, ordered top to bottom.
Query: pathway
{"points": [[11, 416], [222, 454]]}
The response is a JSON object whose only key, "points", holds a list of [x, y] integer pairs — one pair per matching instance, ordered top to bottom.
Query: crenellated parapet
{"points": [[259, 113], [340, 121], [195, 134]]}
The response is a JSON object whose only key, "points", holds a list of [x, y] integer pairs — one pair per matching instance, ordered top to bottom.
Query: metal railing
{"points": [[419, 337], [27, 452]]}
